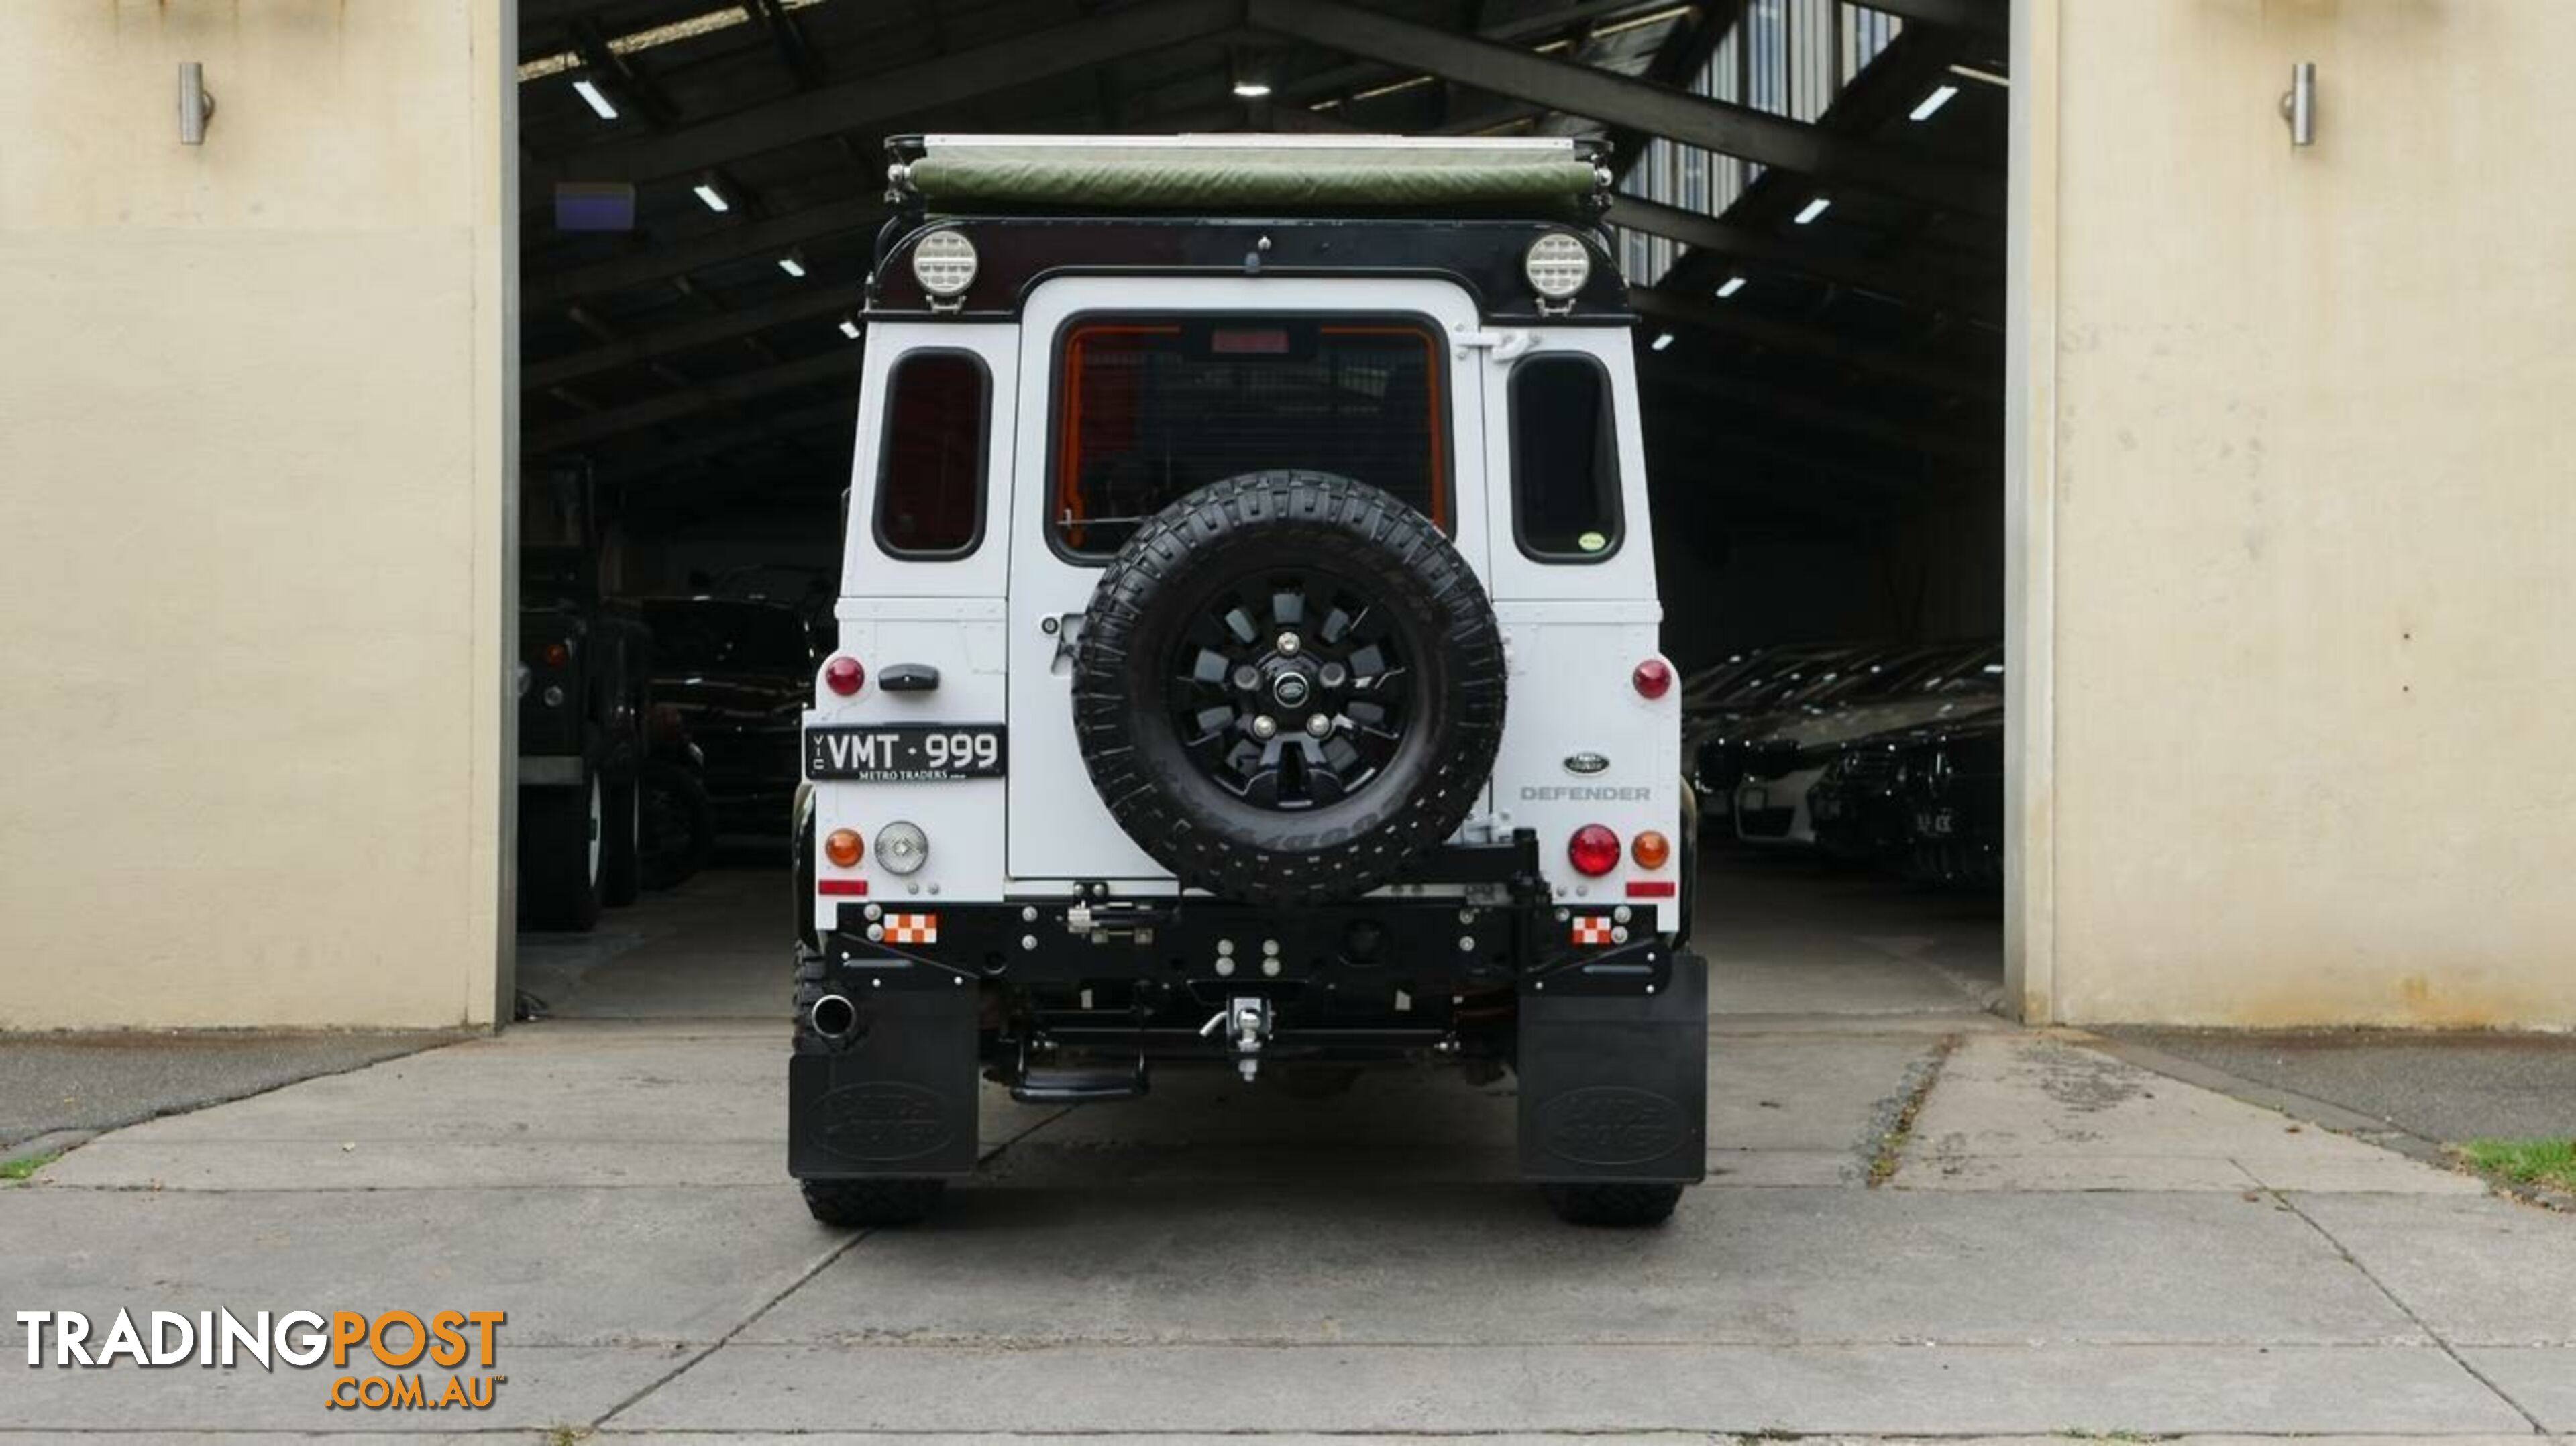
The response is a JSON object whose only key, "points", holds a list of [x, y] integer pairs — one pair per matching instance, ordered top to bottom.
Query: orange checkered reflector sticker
{"points": [[912, 928], [1591, 929]]}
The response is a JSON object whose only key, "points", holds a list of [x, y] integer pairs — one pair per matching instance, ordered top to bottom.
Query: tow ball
{"points": [[1246, 1020]]}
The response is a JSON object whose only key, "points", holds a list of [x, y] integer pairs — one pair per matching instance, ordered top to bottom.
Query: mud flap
{"points": [[1614, 1087], [898, 1101]]}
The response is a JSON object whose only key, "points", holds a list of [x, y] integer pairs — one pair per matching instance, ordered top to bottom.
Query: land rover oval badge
{"points": [[1585, 763]]}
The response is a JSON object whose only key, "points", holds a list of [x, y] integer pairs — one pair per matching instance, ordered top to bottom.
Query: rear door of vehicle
{"points": [[1283, 372]]}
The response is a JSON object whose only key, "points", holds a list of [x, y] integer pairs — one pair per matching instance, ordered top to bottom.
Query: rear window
{"points": [[1149, 408], [1565, 460], [930, 472]]}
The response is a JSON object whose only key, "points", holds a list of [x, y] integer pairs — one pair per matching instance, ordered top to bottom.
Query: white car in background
{"points": [[1771, 799]]}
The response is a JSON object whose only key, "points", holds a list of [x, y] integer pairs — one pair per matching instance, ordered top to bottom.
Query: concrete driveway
{"points": [[2064, 1244]]}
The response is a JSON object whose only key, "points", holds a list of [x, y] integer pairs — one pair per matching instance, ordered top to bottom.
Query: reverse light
{"points": [[944, 263], [1557, 266], [843, 675], [1654, 678], [902, 847], [843, 848], [1593, 850], [1651, 850]]}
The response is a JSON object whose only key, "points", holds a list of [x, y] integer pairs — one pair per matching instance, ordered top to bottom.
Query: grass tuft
{"points": [[2525, 1162], [18, 1170]]}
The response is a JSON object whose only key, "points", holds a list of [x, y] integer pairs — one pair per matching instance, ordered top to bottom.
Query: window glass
{"points": [[1149, 408], [1565, 460], [930, 474]]}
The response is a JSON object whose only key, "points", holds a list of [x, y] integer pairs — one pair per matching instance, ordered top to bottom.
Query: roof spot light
{"points": [[1251, 89], [944, 263], [1557, 266]]}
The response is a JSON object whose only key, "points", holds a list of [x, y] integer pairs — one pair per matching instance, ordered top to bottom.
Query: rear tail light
{"points": [[558, 654], [843, 675], [1654, 678], [843, 847], [1594, 850], [1651, 850]]}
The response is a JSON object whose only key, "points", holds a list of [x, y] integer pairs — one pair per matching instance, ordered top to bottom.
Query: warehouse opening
{"points": [[1808, 205]]}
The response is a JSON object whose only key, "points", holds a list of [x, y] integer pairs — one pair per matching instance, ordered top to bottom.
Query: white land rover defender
{"points": [[1247, 658]]}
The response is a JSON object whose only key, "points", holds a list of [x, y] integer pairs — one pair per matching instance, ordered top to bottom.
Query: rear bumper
{"points": [[1603, 1017]]}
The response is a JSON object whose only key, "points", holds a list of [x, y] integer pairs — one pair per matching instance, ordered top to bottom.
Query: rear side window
{"points": [[1149, 408], [1565, 460], [930, 469]]}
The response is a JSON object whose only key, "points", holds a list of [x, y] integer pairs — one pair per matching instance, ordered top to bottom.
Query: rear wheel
{"points": [[678, 822], [622, 842], [560, 855], [1622, 1206]]}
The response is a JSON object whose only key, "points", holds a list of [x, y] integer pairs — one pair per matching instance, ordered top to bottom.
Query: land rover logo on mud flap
{"points": [[1585, 763], [882, 1122], [1610, 1125]]}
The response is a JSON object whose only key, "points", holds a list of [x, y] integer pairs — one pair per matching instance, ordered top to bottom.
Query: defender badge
{"points": [[1585, 763]]}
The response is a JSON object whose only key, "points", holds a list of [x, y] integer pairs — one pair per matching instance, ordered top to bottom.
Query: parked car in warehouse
{"points": [[737, 673], [1943, 682], [583, 689], [1715, 732], [1183, 740], [1954, 792], [1862, 806]]}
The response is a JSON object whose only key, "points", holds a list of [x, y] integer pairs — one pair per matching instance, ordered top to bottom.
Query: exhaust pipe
{"points": [[833, 1017]]}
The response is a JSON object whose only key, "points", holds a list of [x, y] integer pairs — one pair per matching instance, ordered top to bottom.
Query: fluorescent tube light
{"points": [[1932, 103], [600, 104], [714, 198], [1807, 214], [791, 266], [1732, 285], [850, 329], [1662, 340]]}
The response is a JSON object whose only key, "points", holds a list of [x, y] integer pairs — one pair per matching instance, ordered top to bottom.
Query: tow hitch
{"points": [[1246, 1020]]}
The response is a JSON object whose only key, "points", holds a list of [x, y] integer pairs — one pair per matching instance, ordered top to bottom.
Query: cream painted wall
{"points": [[255, 460], [2293, 520]]}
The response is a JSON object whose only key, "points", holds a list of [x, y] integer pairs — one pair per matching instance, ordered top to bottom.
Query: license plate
{"points": [[904, 752]]}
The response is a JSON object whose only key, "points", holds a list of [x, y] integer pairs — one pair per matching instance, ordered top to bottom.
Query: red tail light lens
{"points": [[843, 675], [1654, 677], [1594, 850]]}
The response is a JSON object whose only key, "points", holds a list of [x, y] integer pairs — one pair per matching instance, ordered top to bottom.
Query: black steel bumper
{"points": [[1605, 1021]]}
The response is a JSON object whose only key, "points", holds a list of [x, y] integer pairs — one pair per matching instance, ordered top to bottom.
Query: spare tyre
{"points": [[1287, 686]]}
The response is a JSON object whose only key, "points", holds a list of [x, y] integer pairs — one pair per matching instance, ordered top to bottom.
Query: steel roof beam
{"points": [[861, 101], [1624, 101], [1712, 236], [732, 243], [689, 335], [1966, 381], [1779, 403], [581, 431]]}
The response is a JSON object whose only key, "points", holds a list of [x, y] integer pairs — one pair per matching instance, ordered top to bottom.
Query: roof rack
{"points": [[953, 173]]}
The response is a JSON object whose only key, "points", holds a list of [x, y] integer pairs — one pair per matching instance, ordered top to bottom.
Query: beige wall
{"points": [[254, 459], [2293, 517]]}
